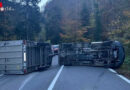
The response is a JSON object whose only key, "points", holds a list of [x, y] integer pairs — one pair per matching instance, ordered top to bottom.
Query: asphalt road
{"points": [[67, 78]]}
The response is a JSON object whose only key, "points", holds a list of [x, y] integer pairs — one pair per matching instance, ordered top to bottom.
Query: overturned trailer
{"points": [[106, 54], [21, 57]]}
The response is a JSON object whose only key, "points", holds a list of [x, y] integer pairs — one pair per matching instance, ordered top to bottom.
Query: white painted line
{"points": [[112, 70], [1, 75], [122, 77], [55, 79], [26, 81]]}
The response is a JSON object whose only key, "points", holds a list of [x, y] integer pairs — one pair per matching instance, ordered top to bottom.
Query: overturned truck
{"points": [[107, 54], [21, 56]]}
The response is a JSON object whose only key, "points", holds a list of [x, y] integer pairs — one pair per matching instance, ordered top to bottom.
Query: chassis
{"points": [[107, 54]]}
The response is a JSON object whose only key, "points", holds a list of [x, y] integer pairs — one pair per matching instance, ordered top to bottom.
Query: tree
{"points": [[85, 16], [85, 22], [21, 23], [53, 24], [98, 25]]}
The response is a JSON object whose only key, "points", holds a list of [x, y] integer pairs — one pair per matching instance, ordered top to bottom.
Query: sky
{"points": [[43, 3]]}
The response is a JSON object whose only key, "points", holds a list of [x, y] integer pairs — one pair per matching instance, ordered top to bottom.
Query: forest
{"points": [[68, 21]]}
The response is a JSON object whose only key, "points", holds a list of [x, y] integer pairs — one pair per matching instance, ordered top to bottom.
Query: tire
{"points": [[121, 55]]}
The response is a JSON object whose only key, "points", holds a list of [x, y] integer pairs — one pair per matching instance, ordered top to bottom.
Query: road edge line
{"points": [[112, 70], [121, 76], [124, 78], [55, 79]]}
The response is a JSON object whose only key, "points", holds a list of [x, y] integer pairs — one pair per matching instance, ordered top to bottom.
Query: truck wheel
{"points": [[121, 55]]}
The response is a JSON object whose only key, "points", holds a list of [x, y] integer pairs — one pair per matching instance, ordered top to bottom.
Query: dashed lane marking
{"points": [[112, 70]]}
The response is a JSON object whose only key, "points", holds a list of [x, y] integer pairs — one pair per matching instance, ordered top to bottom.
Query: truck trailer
{"points": [[109, 54], [23, 56]]}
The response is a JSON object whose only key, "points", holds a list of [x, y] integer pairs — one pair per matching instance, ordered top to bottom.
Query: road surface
{"points": [[65, 78]]}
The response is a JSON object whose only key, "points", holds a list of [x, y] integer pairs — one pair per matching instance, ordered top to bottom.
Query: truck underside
{"points": [[106, 54]]}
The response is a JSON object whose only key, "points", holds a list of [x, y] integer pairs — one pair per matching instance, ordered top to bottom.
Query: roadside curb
{"points": [[121, 76]]}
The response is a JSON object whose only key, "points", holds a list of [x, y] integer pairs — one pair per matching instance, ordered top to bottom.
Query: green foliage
{"points": [[85, 16], [22, 23], [53, 24], [98, 25]]}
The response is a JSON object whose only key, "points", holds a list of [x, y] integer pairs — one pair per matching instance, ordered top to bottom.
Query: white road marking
{"points": [[112, 70], [1, 75], [122, 77], [55, 79], [26, 81]]}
